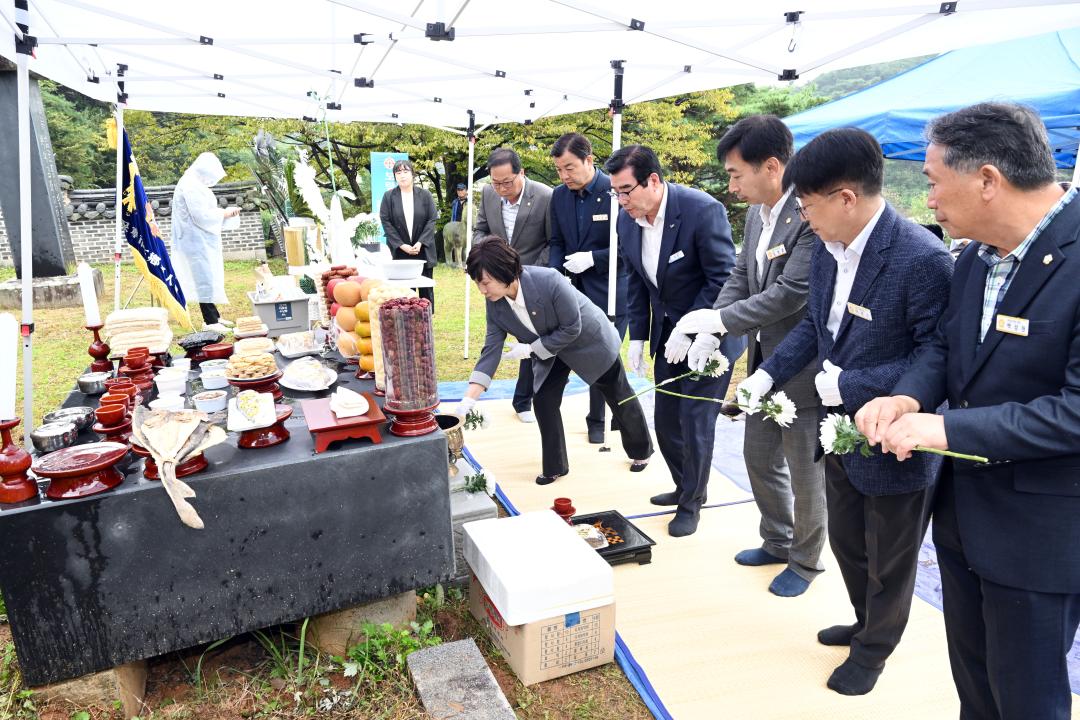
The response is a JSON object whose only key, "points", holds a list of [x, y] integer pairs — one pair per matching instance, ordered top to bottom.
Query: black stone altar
{"points": [[116, 577]]}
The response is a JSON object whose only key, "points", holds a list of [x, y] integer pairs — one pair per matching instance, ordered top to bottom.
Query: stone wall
{"points": [[91, 218]]}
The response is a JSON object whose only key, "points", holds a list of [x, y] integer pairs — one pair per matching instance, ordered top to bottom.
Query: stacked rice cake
{"points": [[138, 327]]}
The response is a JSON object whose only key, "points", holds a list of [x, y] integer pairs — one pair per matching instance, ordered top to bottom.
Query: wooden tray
{"points": [[326, 428]]}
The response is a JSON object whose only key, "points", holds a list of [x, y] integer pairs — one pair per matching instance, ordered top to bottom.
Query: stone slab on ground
{"points": [[53, 292], [466, 507], [335, 632], [455, 682]]}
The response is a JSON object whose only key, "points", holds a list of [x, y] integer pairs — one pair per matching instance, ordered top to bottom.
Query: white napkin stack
{"points": [[345, 403]]}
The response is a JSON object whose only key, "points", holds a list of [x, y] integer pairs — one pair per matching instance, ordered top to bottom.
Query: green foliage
{"points": [[838, 83], [77, 130], [476, 483], [384, 649], [288, 655], [15, 700]]}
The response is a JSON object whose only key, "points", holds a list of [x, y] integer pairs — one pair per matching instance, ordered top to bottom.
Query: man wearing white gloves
{"points": [[580, 243], [676, 243], [879, 284], [764, 298], [566, 332]]}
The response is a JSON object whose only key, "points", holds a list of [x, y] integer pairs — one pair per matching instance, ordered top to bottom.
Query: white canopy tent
{"points": [[448, 62]]}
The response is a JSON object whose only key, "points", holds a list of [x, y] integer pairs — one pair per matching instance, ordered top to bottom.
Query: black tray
{"points": [[637, 546]]}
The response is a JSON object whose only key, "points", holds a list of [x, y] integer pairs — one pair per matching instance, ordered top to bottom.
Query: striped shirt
{"points": [[1003, 269]]}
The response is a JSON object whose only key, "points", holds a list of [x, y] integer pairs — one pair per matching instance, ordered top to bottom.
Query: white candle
{"points": [[89, 294], [9, 352]]}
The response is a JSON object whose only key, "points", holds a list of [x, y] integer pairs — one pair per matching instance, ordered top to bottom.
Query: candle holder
{"points": [[99, 351], [14, 462]]}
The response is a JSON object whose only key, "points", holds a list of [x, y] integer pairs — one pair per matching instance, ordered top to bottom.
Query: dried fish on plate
{"points": [[171, 438]]}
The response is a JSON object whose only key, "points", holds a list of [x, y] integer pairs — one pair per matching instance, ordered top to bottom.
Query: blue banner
{"points": [[382, 180], [147, 248]]}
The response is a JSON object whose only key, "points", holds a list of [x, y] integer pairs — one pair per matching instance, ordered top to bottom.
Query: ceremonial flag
{"points": [[148, 249]]}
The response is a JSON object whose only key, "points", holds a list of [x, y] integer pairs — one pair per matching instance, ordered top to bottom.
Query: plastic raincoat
{"points": [[196, 232]]}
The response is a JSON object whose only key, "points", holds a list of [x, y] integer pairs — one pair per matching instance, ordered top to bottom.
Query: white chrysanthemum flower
{"points": [[721, 363], [786, 413], [828, 432]]}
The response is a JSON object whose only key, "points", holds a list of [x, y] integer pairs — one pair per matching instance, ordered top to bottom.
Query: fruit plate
{"points": [[331, 378], [242, 380]]}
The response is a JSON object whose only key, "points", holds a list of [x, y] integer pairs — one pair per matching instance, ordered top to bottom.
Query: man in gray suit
{"points": [[516, 210], [764, 298], [565, 332]]}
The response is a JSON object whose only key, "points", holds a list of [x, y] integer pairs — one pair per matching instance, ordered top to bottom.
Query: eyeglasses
{"points": [[505, 183], [624, 194], [803, 208]]}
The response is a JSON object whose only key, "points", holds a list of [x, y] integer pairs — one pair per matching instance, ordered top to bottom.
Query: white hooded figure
{"points": [[196, 235]]}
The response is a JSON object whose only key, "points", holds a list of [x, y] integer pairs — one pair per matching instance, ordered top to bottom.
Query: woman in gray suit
{"points": [[408, 217], [562, 330]]}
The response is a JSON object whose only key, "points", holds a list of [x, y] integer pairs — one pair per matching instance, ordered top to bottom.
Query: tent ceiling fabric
{"points": [[509, 62], [1041, 71]]}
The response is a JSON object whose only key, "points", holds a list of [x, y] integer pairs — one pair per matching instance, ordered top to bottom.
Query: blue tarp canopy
{"points": [[1040, 71]]}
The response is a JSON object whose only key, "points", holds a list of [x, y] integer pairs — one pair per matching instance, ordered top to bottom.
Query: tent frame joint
{"points": [[947, 8], [438, 31]]}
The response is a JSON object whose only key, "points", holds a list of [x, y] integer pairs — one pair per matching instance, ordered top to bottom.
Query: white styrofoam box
{"points": [[535, 566]]}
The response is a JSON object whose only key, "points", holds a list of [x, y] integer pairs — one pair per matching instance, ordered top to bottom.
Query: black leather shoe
{"points": [[596, 436], [548, 479], [668, 498]]}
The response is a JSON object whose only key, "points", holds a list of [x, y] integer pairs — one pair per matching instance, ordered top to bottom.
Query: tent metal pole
{"points": [[23, 48], [1076, 168], [613, 212], [469, 224], [118, 242]]}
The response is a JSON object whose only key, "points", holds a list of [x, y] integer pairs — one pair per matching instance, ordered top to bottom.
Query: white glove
{"points": [[579, 262], [701, 321], [675, 348], [703, 348], [517, 351], [635, 357], [827, 383], [748, 393], [465, 406]]}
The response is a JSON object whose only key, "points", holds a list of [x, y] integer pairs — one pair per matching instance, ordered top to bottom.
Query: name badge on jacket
{"points": [[600, 217], [775, 252], [676, 256], [860, 312], [1012, 325]]}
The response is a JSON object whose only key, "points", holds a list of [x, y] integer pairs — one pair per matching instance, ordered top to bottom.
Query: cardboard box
{"points": [[535, 566], [548, 648]]}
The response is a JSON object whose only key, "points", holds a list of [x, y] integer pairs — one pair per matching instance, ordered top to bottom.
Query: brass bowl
{"points": [[452, 426]]}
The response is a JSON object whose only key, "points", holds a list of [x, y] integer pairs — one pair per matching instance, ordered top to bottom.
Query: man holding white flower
{"points": [[878, 284], [764, 298], [1007, 360]]}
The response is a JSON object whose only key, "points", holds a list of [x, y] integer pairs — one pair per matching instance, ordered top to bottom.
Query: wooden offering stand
{"points": [[99, 351], [326, 427], [267, 436], [188, 467], [82, 470], [16, 486]]}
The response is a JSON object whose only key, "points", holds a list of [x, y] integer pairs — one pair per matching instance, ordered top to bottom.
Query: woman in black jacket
{"points": [[408, 218]]}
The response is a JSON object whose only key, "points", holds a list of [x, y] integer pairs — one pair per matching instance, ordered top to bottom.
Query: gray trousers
{"points": [[789, 489]]}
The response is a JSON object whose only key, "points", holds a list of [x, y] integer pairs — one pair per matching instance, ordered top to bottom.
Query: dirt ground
{"points": [[242, 679]]}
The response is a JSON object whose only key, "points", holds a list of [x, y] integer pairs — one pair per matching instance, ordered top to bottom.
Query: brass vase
{"points": [[452, 425]]}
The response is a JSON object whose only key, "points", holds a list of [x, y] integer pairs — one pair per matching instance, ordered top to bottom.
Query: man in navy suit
{"points": [[580, 243], [676, 243], [878, 284], [1007, 360]]}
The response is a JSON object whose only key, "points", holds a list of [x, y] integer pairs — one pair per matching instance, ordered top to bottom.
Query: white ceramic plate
{"points": [[331, 378]]}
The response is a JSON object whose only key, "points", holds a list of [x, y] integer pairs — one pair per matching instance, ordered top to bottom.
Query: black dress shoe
{"points": [[596, 436], [638, 465], [548, 479], [668, 498]]}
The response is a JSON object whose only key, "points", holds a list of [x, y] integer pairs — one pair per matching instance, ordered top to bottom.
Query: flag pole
{"points": [[24, 46], [469, 224], [118, 245]]}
